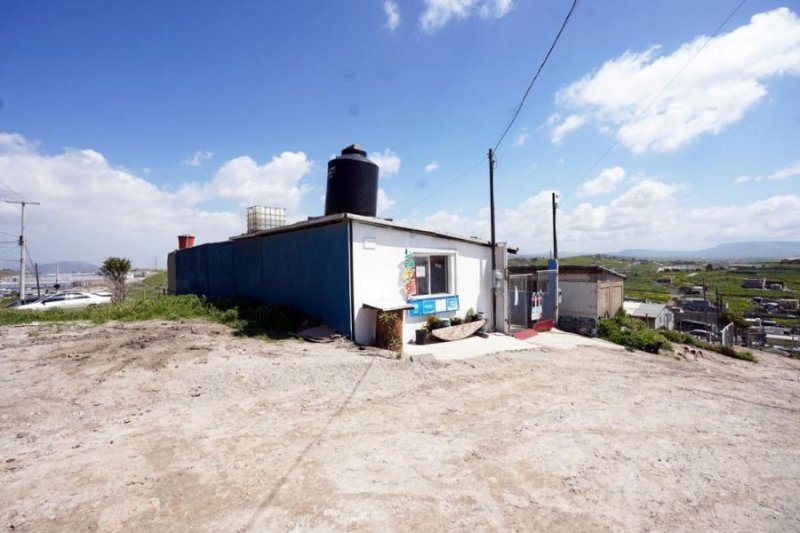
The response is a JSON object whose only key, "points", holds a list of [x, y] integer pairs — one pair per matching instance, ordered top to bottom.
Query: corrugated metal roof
{"points": [[339, 217], [566, 269], [641, 309]]}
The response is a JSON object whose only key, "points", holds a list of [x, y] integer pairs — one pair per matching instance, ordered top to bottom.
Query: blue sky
{"points": [[132, 122]]}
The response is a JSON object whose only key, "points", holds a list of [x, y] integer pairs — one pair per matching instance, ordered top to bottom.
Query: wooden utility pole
{"points": [[22, 204], [494, 243]]}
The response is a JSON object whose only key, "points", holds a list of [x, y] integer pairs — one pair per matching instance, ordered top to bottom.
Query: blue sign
{"points": [[436, 304]]}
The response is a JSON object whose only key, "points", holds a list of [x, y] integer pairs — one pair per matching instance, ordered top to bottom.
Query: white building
{"points": [[341, 268], [655, 315]]}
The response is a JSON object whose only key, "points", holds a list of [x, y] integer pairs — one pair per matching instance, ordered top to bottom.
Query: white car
{"points": [[66, 300]]}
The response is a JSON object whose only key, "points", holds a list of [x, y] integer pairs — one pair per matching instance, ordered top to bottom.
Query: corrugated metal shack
{"points": [[588, 293]]}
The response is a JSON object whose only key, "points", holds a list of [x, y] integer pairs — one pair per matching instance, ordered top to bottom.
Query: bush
{"points": [[633, 334]]}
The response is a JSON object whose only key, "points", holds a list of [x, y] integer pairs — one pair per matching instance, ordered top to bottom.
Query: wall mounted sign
{"points": [[537, 299], [435, 304]]}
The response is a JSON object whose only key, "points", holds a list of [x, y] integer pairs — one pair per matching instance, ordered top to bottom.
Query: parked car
{"points": [[29, 300], [66, 300], [700, 334]]}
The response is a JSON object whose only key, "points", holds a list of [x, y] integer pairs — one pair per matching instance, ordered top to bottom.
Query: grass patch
{"points": [[247, 318], [633, 334], [636, 335], [684, 338]]}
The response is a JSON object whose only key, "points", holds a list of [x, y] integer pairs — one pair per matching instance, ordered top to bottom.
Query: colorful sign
{"points": [[409, 275], [537, 300], [435, 304]]}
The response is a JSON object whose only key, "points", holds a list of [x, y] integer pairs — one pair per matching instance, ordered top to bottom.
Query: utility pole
{"points": [[22, 204], [555, 238], [494, 243], [552, 265]]}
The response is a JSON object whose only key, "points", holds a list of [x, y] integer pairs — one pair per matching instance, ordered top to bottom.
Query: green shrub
{"points": [[247, 318], [633, 334]]}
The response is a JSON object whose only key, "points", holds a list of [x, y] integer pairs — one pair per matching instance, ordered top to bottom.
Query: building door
{"points": [[520, 290]]}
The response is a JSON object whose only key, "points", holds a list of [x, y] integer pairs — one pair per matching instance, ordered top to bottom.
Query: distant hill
{"points": [[727, 251], [65, 267]]}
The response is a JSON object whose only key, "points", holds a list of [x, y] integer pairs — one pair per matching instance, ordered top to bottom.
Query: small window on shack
{"points": [[432, 274]]}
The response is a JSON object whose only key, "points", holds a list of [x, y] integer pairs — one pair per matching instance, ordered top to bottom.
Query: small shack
{"points": [[346, 266], [588, 293], [654, 315]]}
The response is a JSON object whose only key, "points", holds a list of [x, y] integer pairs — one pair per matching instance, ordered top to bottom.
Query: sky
{"points": [[134, 122]]}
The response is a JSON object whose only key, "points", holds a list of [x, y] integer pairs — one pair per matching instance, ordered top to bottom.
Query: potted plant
{"points": [[471, 315], [455, 321], [433, 322], [389, 331], [422, 335]]}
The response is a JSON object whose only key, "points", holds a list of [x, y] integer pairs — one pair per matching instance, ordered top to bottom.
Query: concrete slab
{"points": [[563, 340], [464, 349]]}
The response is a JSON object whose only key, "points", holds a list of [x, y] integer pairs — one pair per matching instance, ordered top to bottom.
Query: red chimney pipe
{"points": [[185, 241]]}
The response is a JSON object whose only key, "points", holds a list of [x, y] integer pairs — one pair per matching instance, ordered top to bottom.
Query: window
{"points": [[432, 274], [76, 296]]}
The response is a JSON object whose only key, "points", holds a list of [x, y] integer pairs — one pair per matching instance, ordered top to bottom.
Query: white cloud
{"points": [[496, 8], [438, 13], [392, 15], [716, 89], [572, 122], [522, 137], [14, 142], [198, 158], [388, 161], [431, 167], [781, 174], [243, 180], [604, 183], [384, 202], [91, 209], [651, 213]]}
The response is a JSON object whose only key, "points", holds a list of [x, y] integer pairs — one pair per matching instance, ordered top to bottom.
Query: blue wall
{"points": [[308, 269]]}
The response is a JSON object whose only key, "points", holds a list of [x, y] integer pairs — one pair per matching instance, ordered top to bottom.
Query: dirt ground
{"points": [[165, 426]]}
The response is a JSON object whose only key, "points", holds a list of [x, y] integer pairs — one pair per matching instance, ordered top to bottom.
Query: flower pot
{"points": [[389, 330], [422, 336]]}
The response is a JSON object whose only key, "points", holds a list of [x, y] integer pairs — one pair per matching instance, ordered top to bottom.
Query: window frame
{"points": [[450, 272]]}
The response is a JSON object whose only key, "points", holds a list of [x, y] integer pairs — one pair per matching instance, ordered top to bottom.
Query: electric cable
{"points": [[536, 76], [656, 97], [443, 186]]}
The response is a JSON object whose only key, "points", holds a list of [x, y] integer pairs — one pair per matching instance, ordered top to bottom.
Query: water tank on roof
{"points": [[352, 184]]}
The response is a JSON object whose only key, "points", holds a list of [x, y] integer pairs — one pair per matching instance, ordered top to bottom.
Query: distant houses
{"points": [[763, 283], [654, 315]]}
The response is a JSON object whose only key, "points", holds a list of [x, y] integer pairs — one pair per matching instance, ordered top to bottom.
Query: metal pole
{"points": [[555, 239], [494, 243], [22, 245], [22, 255], [38, 289]]}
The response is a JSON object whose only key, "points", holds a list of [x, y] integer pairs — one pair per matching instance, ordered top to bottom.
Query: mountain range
{"points": [[727, 251]]}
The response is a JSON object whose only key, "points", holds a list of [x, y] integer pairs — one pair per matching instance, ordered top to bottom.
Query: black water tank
{"points": [[352, 184]]}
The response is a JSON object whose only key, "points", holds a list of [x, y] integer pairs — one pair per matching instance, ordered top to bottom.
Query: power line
{"points": [[536, 76], [657, 96], [8, 188], [440, 188]]}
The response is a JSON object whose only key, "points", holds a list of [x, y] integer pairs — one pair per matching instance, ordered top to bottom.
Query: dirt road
{"points": [[181, 426]]}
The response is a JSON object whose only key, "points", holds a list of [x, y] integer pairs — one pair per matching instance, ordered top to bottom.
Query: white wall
{"points": [[378, 262]]}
